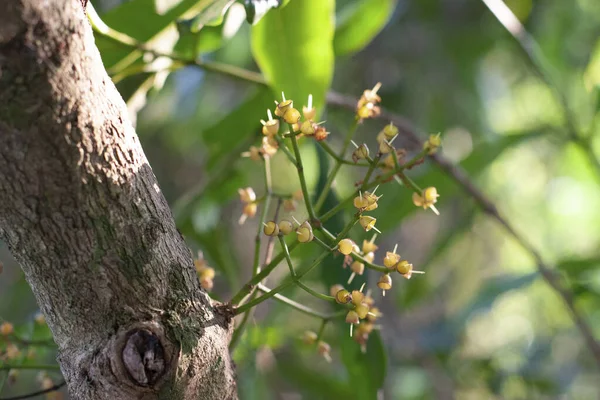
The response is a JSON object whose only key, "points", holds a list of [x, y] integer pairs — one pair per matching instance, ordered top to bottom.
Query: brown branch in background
{"points": [[488, 207], [54, 388]]}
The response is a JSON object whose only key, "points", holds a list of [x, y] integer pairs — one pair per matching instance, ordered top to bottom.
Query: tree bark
{"points": [[81, 211]]}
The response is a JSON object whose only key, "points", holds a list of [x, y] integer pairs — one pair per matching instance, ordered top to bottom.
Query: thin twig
{"points": [[54, 388]]}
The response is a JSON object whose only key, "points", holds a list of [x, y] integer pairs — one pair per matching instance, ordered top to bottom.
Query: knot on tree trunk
{"points": [[143, 357]]}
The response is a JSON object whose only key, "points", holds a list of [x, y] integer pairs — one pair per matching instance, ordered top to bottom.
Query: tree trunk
{"points": [[81, 211]]}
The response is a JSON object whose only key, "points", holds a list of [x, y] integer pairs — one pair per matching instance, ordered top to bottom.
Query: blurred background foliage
{"points": [[481, 323]]}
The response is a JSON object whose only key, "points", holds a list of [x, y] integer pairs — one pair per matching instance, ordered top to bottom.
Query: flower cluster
{"points": [[367, 104], [286, 123], [248, 198], [303, 230], [205, 273], [362, 313]]}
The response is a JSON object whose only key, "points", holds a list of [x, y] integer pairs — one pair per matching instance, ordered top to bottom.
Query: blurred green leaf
{"points": [[211, 15], [359, 23], [191, 44], [293, 47], [592, 72], [239, 124], [576, 267], [489, 292], [366, 371], [316, 383]]}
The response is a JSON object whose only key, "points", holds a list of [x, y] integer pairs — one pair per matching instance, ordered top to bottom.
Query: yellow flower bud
{"points": [[283, 107], [291, 116], [270, 127], [307, 128], [390, 131], [432, 144], [269, 146], [361, 153], [247, 195], [430, 195], [361, 202], [367, 222], [286, 227], [271, 228], [305, 233], [346, 246], [369, 247], [369, 257], [391, 260], [357, 267], [404, 267], [207, 273], [385, 282], [335, 289], [343, 296], [357, 297], [362, 310], [374, 313], [352, 317], [6, 328], [309, 337], [324, 349]]}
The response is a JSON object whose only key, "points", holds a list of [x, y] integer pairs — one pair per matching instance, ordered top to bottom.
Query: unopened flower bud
{"points": [[291, 116], [361, 153], [367, 222], [285, 227], [271, 228], [305, 233], [347, 246]]}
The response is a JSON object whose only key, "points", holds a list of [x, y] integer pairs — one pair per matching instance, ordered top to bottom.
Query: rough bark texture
{"points": [[82, 212]]}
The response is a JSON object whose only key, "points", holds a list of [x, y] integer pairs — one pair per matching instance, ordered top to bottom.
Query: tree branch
{"points": [[81, 211]]}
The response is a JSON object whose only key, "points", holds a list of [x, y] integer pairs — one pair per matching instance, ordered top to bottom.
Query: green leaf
{"points": [[212, 15], [359, 23], [293, 45], [239, 124], [577, 267], [368, 368], [316, 383]]}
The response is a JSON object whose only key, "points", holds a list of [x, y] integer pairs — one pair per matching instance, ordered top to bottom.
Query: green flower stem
{"points": [[285, 150], [337, 158], [416, 159], [372, 165], [336, 167], [410, 183], [309, 208], [263, 216], [322, 243], [356, 256], [288, 258], [284, 285], [281, 287], [247, 288], [314, 293], [295, 305], [321, 330], [47, 367]]}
